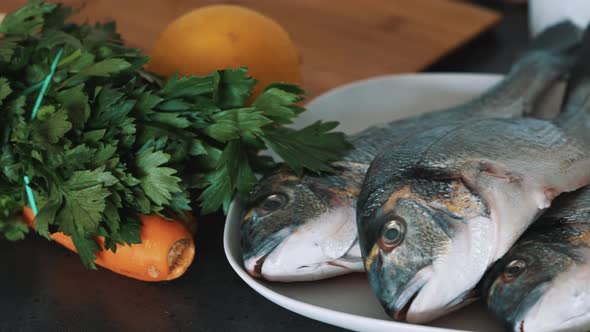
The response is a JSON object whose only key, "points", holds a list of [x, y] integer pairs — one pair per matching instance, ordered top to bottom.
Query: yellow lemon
{"points": [[227, 36]]}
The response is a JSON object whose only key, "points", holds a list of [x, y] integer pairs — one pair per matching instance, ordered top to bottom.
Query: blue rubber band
{"points": [[44, 87], [30, 196]]}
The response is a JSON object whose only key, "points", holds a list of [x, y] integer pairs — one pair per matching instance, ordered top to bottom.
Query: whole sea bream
{"points": [[437, 210], [304, 228], [543, 283]]}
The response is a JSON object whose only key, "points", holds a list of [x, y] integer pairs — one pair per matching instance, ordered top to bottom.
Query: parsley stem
{"points": [[75, 55], [32, 88]]}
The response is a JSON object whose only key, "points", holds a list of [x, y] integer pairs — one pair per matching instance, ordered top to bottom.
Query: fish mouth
{"points": [[254, 260], [344, 265], [254, 266], [465, 299], [404, 301], [459, 302], [526, 306], [404, 308], [541, 311], [401, 314], [574, 323]]}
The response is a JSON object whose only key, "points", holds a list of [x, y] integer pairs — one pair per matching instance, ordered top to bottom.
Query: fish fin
{"points": [[559, 37], [547, 62], [575, 116], [498, 171], [479, 174], [487, 176]]}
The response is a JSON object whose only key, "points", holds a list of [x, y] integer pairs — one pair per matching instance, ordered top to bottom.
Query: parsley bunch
{"points": [[111, 140]]}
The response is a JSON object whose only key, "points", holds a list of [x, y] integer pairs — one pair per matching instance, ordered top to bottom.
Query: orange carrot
{"points": [[165, 252]]}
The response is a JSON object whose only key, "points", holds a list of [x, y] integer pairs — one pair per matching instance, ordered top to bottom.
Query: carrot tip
{"points": [[180, 257], [153, 272]]}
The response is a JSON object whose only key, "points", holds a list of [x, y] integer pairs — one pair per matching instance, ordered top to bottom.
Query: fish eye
{"points": [[271, 204], [392, 234], [513, 270]]}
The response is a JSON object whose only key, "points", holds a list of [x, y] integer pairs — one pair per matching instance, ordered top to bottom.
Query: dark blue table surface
{"points": [[43, 287]]}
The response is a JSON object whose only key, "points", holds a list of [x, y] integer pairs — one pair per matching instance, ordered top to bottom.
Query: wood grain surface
{"points": [[340, 40]]}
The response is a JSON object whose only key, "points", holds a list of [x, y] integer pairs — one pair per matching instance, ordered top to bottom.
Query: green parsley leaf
{"points": [[26, 20], [8, 46], [103, 68], [188, 87], [234, 88], [5, 89], [75, 101], [277, 104], [14, 118], [246, 120], [50, 126], [312, 147], [233, 174], [158, 182], [218, 193], [84, 197], [47, 213], [11, 228], [130, 231], [87, 248]]}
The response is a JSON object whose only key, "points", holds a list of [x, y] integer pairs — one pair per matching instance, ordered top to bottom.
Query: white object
{"points": [[544, 13], [348, 301]]}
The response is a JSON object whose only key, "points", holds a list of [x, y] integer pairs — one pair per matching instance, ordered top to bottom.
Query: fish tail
{"points": [[559, 38], [550, 56], [548, 60], [575, 115]]}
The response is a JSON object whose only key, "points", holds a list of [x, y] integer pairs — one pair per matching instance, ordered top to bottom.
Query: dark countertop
{"points": [[44, 287]]}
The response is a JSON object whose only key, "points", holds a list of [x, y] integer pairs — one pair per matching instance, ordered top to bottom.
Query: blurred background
{"points": [[346, 40], [338, 41]]}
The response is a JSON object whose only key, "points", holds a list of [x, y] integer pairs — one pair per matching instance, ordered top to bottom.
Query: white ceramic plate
{"points": [[347, 301]]}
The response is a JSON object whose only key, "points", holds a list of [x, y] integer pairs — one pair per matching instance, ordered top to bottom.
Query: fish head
{"points": [[300, 228], [419, 245], [540, 286]]}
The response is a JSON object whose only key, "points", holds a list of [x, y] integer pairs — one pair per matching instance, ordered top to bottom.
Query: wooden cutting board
{"points": [[340, 40]]}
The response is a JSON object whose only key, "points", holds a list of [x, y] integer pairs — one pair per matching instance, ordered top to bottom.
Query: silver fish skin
{"points": [[437, 210], [304, 228], [543, 283]]}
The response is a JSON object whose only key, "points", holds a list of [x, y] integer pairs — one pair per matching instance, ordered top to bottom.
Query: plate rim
{"points": [[387, 77], [330, 316]]}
